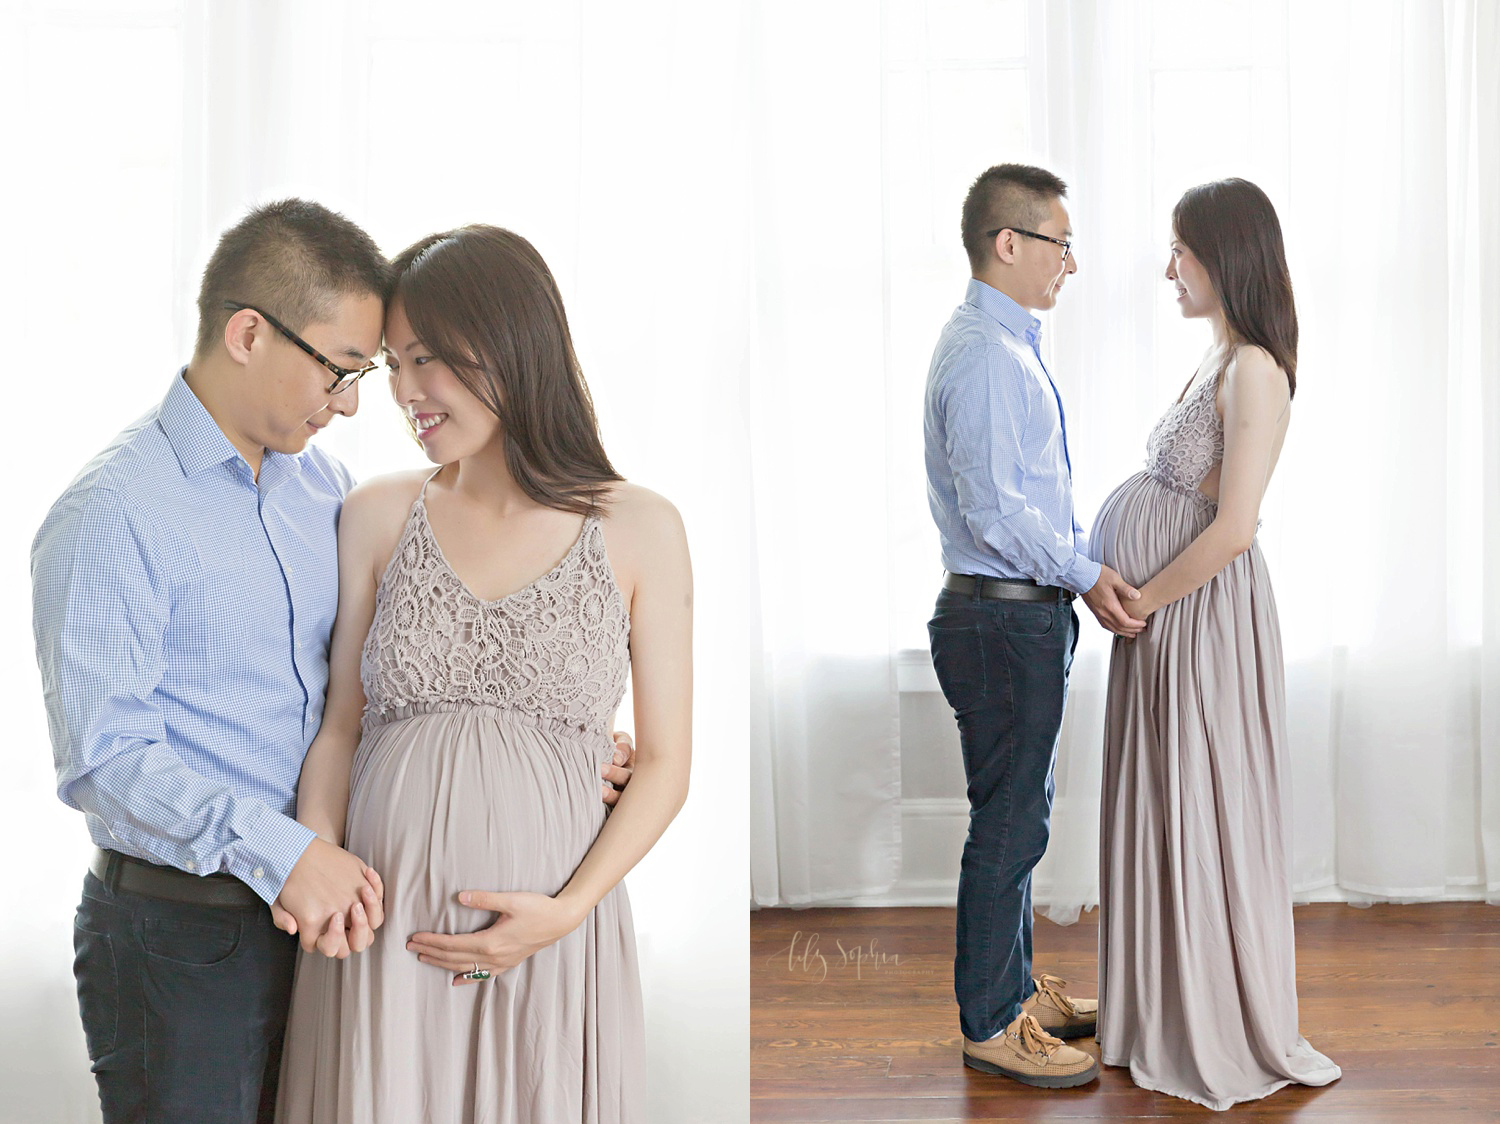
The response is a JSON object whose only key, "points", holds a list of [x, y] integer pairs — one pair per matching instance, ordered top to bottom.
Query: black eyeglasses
{"points": [[1066, 245], [345, 377]]}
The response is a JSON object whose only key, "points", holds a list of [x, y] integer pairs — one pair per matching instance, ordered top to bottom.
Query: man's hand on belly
{"points": [[617, 772]]}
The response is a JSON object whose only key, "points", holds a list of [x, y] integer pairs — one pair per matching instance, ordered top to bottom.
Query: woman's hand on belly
{"points": [[527, 924]]}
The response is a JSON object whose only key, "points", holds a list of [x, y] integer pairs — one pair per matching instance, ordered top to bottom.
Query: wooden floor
{"points": [[853, 1019]]}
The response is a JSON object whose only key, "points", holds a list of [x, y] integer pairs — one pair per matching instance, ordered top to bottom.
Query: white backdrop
{"points": [[1375, 128], [134, 131]]}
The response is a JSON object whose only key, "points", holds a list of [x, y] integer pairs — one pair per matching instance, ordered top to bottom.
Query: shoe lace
{"points": [[1051, 986], [1034, 1038]]}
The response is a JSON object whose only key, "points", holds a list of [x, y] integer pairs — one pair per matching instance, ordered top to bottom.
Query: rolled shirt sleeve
{"points": [[102, 609]]}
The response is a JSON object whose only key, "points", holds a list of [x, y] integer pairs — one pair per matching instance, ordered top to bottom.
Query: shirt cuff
{"points": [[1082, 575], [263, 857]]}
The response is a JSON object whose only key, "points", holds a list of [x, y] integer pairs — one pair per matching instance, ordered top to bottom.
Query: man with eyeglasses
{"points": [[999, 485], [184, 589]]}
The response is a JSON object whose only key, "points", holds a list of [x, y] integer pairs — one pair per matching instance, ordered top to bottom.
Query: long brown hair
{"points": [[1232, 229], [485, 303]]}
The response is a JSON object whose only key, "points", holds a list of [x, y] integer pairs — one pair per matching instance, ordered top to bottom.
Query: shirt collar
{"points": [[1012, 317], [201, 445]]}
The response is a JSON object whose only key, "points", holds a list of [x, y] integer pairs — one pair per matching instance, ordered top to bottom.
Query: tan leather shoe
{"points": [[1059, 1014], [1028, 1054]]}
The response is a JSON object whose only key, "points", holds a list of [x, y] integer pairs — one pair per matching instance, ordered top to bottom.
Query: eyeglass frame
{"points": [[1067, 244], [346, 376]]}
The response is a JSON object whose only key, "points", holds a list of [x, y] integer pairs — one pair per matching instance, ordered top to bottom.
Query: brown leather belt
{"points": [[1004, 589], [137, 876]]}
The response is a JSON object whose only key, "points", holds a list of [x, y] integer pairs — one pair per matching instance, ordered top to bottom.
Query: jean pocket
{"points": [[955, 615], [1029, 618], [958, 659], [199, 944], [98, 979]]}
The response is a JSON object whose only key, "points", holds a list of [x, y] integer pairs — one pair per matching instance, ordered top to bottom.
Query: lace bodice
{"points": [[1188, 440], [557, 651]]}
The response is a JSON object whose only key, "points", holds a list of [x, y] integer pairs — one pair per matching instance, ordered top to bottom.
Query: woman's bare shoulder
{"points": [[1251, 362], [1253, 375], [394, 490], [377, 508], [639, 510], [643, 528], [648, 546]]}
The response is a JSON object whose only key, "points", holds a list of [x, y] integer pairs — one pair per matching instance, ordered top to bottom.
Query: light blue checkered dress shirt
{"points": [[999, 479], [182, 617]]}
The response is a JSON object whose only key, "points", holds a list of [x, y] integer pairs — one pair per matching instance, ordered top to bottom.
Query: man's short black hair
{"points": [[1006, 195], [292, 258]]}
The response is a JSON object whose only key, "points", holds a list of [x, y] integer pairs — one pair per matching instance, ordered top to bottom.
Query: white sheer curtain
{"points": [[1373, 126], [135, 132], [1481, 291], [824, 769]]}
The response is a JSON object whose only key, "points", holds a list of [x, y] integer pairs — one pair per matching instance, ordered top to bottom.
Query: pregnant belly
{"points": [[1144, 524], [472, 800]]}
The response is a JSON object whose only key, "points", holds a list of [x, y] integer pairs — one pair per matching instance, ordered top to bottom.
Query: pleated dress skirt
{"points": [[470, 799], [1196, 959]]}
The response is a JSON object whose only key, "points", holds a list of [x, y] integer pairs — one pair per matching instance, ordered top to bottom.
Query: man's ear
{"points": [[1005, 246], [245, 329]]}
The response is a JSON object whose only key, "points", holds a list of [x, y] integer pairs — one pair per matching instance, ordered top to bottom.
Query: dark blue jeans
{"points": [[1003, 666], [184, 1006]]}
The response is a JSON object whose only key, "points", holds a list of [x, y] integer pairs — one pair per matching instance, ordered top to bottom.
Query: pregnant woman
{"points": [[489, 613], [1197, 974]]}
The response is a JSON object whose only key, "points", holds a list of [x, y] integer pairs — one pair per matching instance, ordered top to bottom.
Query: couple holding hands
{"points": [[385, 707], [1197, 982]]}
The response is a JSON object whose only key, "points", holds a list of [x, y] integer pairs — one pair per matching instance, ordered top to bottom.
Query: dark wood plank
{"points": [[853, 1020]]}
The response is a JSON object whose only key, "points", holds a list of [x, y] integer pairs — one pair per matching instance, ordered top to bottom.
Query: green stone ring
{"points": [[478, 973]]}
